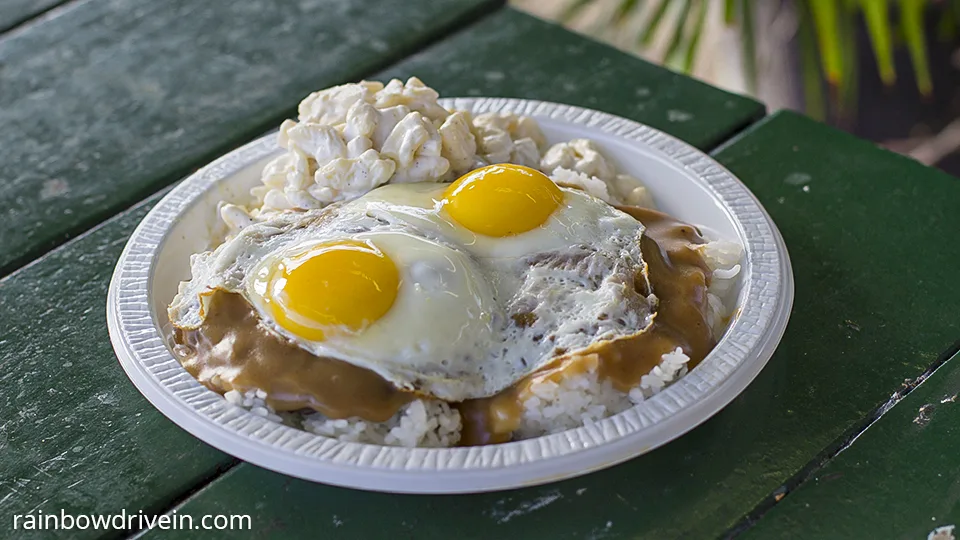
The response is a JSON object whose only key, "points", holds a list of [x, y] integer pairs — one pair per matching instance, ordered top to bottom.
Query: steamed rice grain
{"points": [[554, 407]]}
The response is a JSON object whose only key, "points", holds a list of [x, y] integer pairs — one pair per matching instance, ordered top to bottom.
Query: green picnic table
{"points": [[851, 431]]}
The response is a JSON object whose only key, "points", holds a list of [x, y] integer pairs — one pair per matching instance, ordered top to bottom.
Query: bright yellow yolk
{"points": [[502, 200], [344, 285]]}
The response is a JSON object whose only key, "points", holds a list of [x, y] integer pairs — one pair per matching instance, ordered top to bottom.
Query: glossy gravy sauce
{"points": [[679, 277], [231, 350]]}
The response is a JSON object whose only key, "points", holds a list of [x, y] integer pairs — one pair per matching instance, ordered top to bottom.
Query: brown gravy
{"points": [[679, 277], [231, 350]]}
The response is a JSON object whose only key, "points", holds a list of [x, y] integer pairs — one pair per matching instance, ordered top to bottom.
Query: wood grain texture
{"points": [[16, 12], [511, 54], [113, 99], [857, 221], [74, 433], [900, 479]]}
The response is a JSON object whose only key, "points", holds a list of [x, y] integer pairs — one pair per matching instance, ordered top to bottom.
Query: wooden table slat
{"points": [[16, 12], [113, 99], [857, 220], [75, 435], [150, 451], [900, 479]]}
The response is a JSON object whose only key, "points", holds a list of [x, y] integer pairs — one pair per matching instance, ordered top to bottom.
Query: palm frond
{"points": [[573, 9], [624, 10], [729, 11], [876, 13], [911, 19], [825, 20], [697, 31], [826, 35], [646, 36], [677, 40], [810, 67], [847, 89]]}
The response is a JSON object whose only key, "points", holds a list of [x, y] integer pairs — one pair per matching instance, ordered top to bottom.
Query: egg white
{"points": [[580, 218], [439, 326], [451, 332]]}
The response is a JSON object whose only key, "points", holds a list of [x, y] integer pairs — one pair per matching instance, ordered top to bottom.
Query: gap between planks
{"points": [[463, 23], [17, 24], [842, 443], [182, 498]]}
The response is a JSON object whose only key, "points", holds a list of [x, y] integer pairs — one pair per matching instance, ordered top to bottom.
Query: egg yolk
{"points": [[502, 200], [342, 285]]}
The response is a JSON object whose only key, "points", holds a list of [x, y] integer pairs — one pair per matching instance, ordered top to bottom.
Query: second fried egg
{"points": [[455, 291]]}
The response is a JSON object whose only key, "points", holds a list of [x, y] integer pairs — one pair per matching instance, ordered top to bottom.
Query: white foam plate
{"points": [[685, 183]]}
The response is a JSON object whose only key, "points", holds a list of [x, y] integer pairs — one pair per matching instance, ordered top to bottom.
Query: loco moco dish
{"points": [[408, 275]]}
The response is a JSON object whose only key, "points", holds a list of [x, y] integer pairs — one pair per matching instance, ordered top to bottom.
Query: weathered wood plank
{"points": [[15, 12], [113, 99], [876, 303], [75, 435], [900, 479]]}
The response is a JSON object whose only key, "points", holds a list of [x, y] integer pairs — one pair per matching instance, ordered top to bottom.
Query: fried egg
{"points": [[499, 211], [454, 291]]}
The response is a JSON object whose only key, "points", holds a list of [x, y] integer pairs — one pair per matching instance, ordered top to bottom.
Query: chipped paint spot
{"points": [[493, 76], [674, 115], [797, 179], [54, 188], [806, 189], [107, 398], [950, 399], [924, 415], [581, 491], [781, 492], [523, 508], [337, 522], [600, 532], [942, 533]]}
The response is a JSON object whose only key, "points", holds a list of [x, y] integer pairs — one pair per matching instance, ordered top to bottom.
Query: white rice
{"points": [[723, 258], [581, 399], [554, 407], [419, 423], [423, 423]]}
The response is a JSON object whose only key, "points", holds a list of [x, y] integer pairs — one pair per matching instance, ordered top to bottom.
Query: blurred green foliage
{"points": [[826, 37]]}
